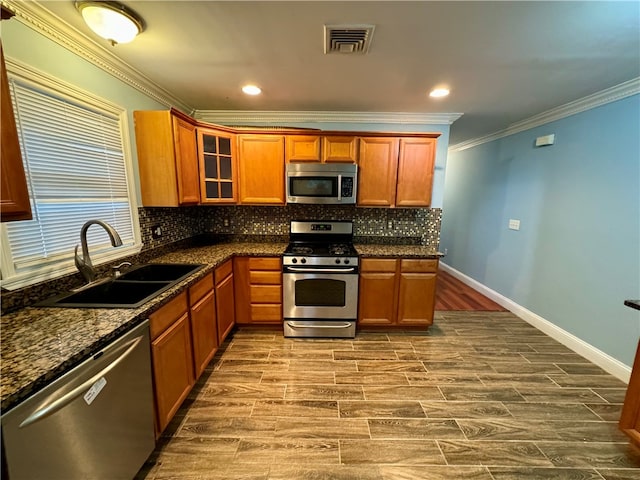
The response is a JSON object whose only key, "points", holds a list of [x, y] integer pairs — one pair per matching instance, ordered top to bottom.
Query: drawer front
{"points": [[265, 263], [378, 265], [420, 265], [223, 271], [265, 278], [200, 289], [265, 294], [266, 313], [165, 317]]}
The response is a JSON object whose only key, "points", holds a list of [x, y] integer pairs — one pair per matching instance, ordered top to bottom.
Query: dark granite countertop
{"points": [[397, 251], [39, 345]]}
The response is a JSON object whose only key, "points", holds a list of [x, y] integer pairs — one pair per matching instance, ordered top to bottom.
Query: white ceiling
{"points": [[503, 61]]}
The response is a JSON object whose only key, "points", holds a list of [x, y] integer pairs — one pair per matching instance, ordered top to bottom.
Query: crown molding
{"points": [[37, 17], [613, 94], [241, 117]]}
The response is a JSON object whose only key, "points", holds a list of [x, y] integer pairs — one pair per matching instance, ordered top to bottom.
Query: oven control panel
{"points": [[321, 227], [320, 261]]}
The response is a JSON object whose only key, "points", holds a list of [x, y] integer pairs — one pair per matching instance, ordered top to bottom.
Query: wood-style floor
{"points": [[453, 295], [480, 395]]}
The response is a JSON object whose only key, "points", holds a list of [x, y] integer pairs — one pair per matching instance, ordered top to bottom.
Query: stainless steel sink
{"points": [[131, 290]]}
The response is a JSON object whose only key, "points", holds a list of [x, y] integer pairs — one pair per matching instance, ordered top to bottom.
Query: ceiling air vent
{"points": [[347, 38]]}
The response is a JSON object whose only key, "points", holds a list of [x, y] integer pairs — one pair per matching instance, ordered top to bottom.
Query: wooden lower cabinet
{"points": [[258, 285], [397, 292], [417, 292], [378, 296], [225, 304], [204, 329], [184, 339], [172, 359], [630, 418]]}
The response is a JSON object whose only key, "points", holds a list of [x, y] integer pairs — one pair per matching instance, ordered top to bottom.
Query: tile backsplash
{"points": [[371, 225]]}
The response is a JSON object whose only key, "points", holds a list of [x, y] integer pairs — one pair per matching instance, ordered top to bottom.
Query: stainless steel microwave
{"points": [[321, 183]]}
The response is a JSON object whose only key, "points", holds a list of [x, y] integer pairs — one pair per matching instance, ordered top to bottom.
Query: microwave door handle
{"points": [[339, 187]]}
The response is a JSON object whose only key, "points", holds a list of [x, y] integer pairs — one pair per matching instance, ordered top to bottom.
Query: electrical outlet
{"points": [[225, 222], [514, 224], [390, 225], [156, 231], [446, 250]]}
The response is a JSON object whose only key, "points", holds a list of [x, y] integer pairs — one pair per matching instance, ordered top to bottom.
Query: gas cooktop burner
{"points": [[321, 243], [340, 249], [320, 250]]}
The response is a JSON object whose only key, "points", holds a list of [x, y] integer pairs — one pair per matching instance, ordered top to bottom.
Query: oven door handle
{"points": [[320, 270], [295, 325]]}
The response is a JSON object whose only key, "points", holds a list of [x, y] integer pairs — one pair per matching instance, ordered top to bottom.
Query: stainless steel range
{"points": [[320, 280]]}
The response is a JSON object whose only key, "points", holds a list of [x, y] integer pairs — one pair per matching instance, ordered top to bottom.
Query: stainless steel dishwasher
{"points": [[95, 422]]}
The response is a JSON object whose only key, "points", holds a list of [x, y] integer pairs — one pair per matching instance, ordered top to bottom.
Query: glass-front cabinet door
{"points": [[216, 152]]}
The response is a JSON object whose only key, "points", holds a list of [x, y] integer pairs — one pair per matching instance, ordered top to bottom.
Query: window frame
{"points": [[52, 269]]}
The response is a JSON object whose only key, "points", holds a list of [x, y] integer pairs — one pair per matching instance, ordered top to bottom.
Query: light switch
{"points": [[514, 224]]}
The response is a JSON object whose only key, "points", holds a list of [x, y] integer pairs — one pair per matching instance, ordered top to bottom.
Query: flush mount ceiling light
{"points": [[111, 20], [251, 90], [439, 92]]}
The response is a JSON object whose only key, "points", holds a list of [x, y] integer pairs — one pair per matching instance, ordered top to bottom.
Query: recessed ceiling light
{"points": [[251, 90], [439, 92]]}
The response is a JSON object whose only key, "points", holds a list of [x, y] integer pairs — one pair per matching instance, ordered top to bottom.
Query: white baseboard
{"points": [[603, 360]]}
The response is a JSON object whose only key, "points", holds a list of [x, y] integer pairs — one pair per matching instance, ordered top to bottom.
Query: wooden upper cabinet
{"points": [[303, 148], [326, 149], [340, 149], [216, 156], [167, 159], [186, 161], [261, 169], [396, 172], [415, 172], [377, 173], [14, 198]]}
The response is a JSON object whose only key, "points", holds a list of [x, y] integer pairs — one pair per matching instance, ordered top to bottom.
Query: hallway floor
{"points": [[479, 396]]}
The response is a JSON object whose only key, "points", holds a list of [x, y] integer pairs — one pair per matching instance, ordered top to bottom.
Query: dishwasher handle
{"points": [[46, 410]]}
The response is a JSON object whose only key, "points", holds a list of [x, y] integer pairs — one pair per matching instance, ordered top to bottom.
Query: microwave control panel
{"points": [[347, 187]]}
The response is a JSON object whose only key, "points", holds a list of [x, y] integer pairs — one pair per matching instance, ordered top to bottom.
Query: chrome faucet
{"points": [[84, 265]]}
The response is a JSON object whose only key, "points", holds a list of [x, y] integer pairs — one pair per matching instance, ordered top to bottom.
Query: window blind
{"points": [[75, 165]]}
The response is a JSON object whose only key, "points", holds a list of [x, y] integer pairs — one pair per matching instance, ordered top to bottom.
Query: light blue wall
{"points": [[29, 47], [576, 257]]}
